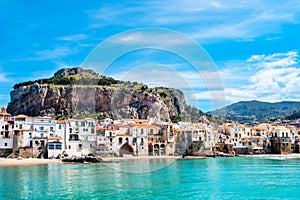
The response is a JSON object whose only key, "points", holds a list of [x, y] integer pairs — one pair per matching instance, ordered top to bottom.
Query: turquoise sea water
{"points": [[212, 178]]}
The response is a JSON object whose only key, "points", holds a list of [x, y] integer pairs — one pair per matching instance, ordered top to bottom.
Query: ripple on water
{"points": [[213, 178]]}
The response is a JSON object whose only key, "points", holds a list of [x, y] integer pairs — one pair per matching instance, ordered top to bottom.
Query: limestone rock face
{"points": [[76, 91], [38, 99]]}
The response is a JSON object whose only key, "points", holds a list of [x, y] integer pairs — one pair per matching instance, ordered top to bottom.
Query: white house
{"points": [[6, 137], [81, 139]]}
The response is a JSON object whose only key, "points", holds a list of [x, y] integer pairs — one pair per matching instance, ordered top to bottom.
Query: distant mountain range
{"points": [[257, 111]]}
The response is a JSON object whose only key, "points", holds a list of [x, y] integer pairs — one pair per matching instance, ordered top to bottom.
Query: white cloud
{"points": [[203, 20], [76, 37], [151, 38], [56, 53], [275, 60], [271, 78], [277, 78]]}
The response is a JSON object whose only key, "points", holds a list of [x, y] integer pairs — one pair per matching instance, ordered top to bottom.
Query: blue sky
{"points": [[254, 44]]}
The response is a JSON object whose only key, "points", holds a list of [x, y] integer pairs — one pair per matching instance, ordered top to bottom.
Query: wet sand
{"points": [[27, 162]]}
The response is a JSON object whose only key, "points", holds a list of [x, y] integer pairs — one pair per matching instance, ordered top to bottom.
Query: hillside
{"points": [[76, 92], [257, 111], [293, 116]]}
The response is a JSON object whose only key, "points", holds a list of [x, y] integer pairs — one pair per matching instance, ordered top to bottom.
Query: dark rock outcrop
{"points": [[82, 159]]}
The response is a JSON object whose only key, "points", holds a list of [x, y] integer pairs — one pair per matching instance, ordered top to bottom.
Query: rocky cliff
{"points": [[75, 91]]}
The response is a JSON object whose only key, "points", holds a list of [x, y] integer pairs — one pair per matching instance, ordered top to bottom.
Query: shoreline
{"points": [[292, 155], [111, 159], [6, 162]]}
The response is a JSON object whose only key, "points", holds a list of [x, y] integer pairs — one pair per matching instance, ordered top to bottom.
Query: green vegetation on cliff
{"points": [[76, 92]]}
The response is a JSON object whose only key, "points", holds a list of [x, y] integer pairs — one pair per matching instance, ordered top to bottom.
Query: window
{"points": [[76, 123], [82, 123], [91, 124], [60, 126], [41, 128], [142, 131], [151, 131], [120, 141], [42, 143], [5, 144], [91, 145], [51, 146], [58, 146], [69, 146], [80, 146]]}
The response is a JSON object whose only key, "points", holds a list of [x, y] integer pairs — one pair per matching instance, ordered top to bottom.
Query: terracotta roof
{"points": [[20, 116], [59, 122], [141, 125], [99, 128], [257, 128], [122, 134], [54, 138]]}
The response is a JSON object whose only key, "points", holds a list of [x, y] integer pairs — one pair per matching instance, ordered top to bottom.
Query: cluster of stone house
{"points": [[45, 137], [264, 138]]}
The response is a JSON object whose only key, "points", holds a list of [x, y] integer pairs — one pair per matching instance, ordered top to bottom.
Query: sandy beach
{"points": [[27, 161], [33, 161]]}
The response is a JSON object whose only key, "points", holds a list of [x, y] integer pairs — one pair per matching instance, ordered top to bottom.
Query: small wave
{"points": [[282, 157]]}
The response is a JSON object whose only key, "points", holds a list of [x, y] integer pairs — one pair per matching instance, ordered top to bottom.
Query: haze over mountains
{"points": [[258, 111]]}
